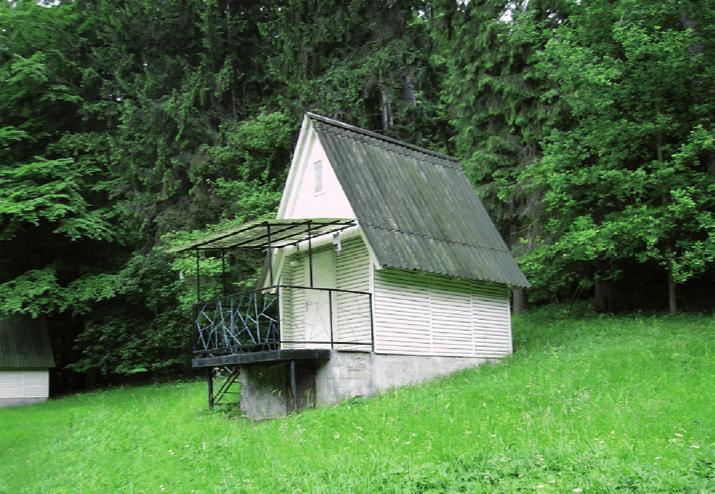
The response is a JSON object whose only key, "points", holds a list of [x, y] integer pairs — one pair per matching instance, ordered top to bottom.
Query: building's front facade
{"points": [[383, 269], [413, 313]]}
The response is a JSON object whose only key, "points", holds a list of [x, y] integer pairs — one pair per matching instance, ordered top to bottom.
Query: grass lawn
{"points": [[588, 404]]}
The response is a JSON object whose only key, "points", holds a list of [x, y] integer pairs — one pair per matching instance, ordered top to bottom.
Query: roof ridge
{"points": [[375, 135], [390, 147]]}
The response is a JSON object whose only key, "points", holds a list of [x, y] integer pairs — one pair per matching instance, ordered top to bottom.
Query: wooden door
{"points": [[317, 303]]}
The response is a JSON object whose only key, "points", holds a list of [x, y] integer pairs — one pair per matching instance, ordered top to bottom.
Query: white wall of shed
{"points": [[353, 266], [352, 272], [292, 302], [425, 314], [24, 384]]}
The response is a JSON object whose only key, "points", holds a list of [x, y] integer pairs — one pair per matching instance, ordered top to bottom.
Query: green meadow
{"points": [[586, 404]]}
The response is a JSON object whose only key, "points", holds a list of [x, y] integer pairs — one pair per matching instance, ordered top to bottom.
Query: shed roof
{"points": [[416, 207], [24, 343]]}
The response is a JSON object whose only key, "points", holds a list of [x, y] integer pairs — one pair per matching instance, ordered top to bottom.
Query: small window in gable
{"points": [[318, 177]]}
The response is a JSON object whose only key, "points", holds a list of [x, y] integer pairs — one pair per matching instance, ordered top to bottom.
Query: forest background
{"points": [[127, 127]]}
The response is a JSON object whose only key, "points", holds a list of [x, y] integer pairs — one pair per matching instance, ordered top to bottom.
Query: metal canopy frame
{"points": [[264, 235]]}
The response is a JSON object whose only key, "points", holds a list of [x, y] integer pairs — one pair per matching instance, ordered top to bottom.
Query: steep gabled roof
{"points": [[416, 207], [24, 343]]}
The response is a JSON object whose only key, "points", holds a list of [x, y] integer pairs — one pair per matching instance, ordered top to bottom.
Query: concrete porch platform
{"points": [[272, 356]]}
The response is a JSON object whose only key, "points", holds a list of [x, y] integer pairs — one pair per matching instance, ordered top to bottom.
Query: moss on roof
{"points": [[416, 207]]}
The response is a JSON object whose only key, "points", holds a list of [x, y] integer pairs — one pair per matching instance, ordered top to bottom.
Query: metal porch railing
{"points": [[283, 317]]}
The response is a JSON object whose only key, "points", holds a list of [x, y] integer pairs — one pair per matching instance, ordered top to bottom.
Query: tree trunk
{"points": [[234, 81], [409, 87], [386, 108], [602, 297], [672, 301], [91, 378]]}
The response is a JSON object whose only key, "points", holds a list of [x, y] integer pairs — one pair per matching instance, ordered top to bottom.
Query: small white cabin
{"points": [[423, 246], [382, 269], [25, 360]]}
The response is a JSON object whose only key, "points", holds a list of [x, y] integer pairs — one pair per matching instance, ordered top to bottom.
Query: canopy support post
{"points": [[310, 254], [270, 255], [223, 271], [198, 278], [210, 382], [293, 385]]}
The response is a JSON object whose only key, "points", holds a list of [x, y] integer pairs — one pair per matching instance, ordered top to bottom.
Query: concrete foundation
{"points": [[265, 388], [16, 402]]}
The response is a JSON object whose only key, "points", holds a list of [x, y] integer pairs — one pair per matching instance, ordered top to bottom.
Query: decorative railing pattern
{"points": [[313, 318], [246, 322]]}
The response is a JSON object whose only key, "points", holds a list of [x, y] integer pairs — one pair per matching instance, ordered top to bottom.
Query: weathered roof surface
{"points": [[416, 207], [24, 343]]}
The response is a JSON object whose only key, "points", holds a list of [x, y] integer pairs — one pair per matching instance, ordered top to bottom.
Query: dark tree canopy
{"points": [[586, 127]]}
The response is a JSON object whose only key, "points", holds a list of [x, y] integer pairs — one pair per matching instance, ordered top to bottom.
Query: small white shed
{"points": [[423, 246], [382, 269], [25, 360]]}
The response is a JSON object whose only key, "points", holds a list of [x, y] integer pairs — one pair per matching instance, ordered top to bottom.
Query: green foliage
{"points": [[367, 63], [495, 95], [119, 124], [588, 127], [124, 128], [241, 172], [626, 175], [50, 191], [51, 199], [35, 292], [110, 342], [592, 404]]}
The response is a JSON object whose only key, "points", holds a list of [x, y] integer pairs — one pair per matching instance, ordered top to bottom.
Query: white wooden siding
{"points": [[301, 196], [293, 301], [352, 311], [419, 314], [24, 384]]}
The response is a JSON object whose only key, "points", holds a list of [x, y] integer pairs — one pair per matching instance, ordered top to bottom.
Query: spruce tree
{"points": [[497, 104]]}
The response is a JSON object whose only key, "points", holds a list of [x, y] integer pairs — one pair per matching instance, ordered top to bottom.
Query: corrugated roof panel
{"points": [[417, 208], [407, 251], [24, 343]]}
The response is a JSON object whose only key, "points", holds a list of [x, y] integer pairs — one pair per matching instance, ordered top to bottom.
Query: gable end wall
{"points": [[300, 199]]}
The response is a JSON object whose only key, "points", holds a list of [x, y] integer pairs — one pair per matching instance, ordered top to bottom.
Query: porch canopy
{"points": [[268, 234], [264, 235]]}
